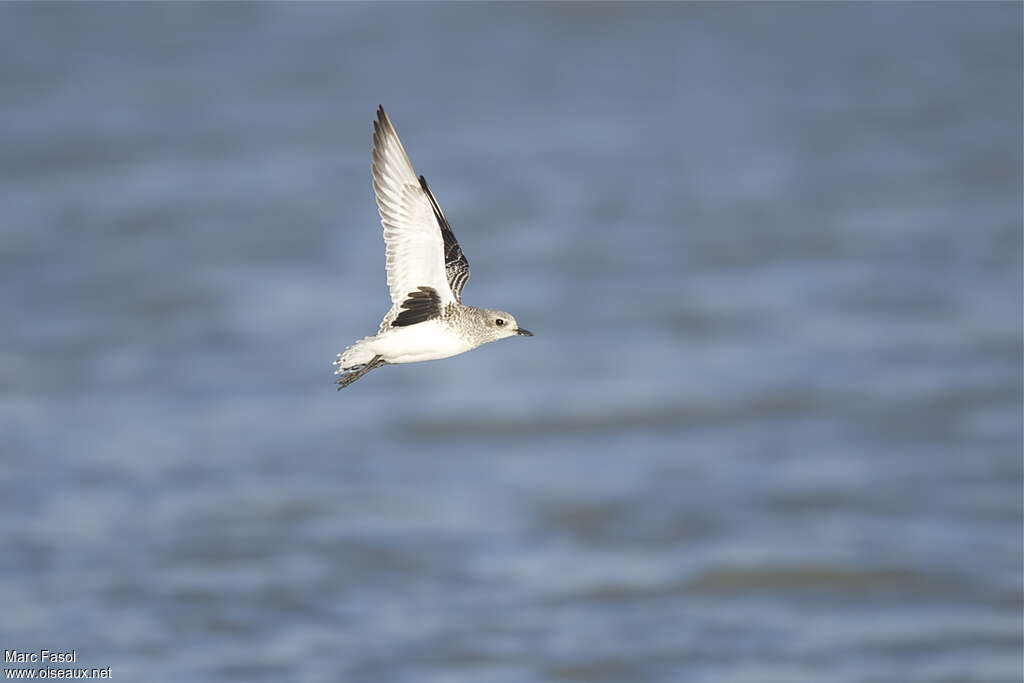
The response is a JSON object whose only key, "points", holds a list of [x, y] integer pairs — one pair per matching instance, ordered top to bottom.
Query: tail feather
{"points": [[354, 356]]}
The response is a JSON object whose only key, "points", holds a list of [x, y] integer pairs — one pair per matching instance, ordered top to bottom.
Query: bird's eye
{"points": [[499, 322]]}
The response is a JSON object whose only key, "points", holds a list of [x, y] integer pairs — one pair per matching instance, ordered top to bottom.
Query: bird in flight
{"points": [[426, 273]]}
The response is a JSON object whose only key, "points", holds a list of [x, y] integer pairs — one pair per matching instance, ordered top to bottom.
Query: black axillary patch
{"points": [[419, 306]]}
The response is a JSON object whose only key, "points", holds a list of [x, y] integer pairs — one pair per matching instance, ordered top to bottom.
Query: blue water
{"points": [[769, 428]]}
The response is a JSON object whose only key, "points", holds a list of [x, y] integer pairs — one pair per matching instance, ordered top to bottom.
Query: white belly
{"points": [[425, 341]]}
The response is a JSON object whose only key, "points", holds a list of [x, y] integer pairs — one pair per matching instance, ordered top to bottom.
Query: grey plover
{"points": [[426, 273]]}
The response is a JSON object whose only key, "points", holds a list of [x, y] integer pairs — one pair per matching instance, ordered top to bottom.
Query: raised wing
{"points": [[414, 244], [455, 264]]}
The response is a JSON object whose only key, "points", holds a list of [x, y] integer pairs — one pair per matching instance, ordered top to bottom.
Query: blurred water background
{"points": [[769, 428]]}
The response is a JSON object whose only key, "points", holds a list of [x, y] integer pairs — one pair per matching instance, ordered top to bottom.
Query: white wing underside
{"points": [[413, 243]]}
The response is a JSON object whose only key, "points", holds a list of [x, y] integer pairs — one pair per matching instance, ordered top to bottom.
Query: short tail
{"points": [[355, 356], [355, 361]]}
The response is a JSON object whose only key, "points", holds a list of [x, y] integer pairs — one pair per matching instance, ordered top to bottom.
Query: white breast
{"points": [[425, 341]]}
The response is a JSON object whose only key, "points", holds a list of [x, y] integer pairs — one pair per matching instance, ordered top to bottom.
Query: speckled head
{"points": [[493, 325]]}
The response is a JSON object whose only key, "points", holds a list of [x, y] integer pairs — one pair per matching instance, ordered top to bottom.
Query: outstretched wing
{"points": [[414, 245], [455, 264]]}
